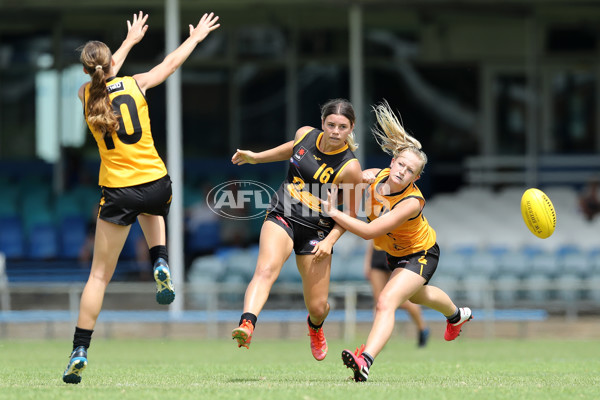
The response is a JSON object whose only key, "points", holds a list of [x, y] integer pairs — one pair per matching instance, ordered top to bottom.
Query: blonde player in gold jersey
{"points": [[133, 178], [394, 208]]}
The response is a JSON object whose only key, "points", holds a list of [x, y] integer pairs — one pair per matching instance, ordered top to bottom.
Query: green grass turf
{"points": [[178, 369]]}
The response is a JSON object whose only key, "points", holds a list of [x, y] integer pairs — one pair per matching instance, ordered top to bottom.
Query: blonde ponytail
{"points": [[391, 135]]}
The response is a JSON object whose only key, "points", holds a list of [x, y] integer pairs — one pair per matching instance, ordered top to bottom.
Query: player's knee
{"points": [[267, 272], [385, 304], [318, 309]]}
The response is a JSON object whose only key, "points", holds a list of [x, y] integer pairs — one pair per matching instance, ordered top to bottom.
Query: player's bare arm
{"points": [[169, 65], [280, 153], [380, 226]]}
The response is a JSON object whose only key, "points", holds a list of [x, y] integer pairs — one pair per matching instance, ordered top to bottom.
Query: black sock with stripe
{"points": [[454, 318], [368, 358]]}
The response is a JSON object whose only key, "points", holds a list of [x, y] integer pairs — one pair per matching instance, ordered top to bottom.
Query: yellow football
{"points": [[538, 213]]}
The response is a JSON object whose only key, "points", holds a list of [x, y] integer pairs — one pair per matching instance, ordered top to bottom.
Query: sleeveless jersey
{"points": [[128, 156], [309, 175], [411, 237]]}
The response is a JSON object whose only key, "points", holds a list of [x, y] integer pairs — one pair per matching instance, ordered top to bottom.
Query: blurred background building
{"points": [[503, 95]]}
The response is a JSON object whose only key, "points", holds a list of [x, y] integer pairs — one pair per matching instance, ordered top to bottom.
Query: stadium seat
{"points": [[9, 201], [68, 205], [72, 236], [12, 238], [205, 238], [43, 242], [129, 251], [240, 262], [483, 262], [515, 262], [453, 263], [544, 263], [350, 268], [204, 271], [289, 272], [447, 283], [569, 287], [537, 288], [593, 288], [476, 289], [506, 289]]}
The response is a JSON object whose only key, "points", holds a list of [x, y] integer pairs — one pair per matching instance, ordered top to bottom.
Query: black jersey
{"points": [[310, 173]]}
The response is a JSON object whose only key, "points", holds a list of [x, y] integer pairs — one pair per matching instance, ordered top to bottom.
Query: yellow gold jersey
{"points": [[128, 156], [411, 237]]}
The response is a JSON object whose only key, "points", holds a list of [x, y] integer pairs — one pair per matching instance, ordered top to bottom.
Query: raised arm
{"points": [[135, 32], [169, 65], [279, 153]]}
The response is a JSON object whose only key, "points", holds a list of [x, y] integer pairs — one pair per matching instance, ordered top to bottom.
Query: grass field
{"points": [[155, 369]]}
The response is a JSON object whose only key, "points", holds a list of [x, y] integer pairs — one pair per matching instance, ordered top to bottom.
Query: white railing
{"points": [[517, 170], [344, 298]]}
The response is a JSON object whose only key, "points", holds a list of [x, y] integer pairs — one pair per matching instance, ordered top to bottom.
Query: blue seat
{"points": [[68, 205], [72, 236], [12, 238], [205, 238], [43, 242], [129, 251]]}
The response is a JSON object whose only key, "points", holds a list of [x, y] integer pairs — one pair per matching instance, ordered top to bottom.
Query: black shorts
{"points": [[121, 206], [305, 238], [379, 261], [423, 262]]}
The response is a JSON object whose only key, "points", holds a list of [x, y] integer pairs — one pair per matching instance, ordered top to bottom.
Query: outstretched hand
{"points": [[207, 24], [137, 29], [242, 157]]}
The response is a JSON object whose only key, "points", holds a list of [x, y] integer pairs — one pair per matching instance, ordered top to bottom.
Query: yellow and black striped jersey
{"points": [[128, 156], [311, 172], [412, 236]]}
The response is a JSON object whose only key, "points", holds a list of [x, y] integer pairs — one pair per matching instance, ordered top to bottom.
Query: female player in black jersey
{"points": [[133, 177], [394, 207], [294, 221], [378, 273]]}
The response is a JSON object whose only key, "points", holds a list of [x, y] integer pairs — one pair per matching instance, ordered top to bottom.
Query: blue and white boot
{"points": [[165, 293], [77, 364]]}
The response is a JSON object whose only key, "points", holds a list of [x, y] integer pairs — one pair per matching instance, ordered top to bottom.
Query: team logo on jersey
{"points": [[115, 87], [300, 153], [324, 223], [321, 235], [313, 242]]}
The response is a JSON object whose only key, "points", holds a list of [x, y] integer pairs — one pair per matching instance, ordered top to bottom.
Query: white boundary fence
{"points": [[344, 297]]}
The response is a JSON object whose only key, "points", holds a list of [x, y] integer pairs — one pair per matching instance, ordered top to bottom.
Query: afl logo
{"points": [[240, 199]]}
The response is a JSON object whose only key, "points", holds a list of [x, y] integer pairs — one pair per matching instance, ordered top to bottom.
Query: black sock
{"points": [[159, 252], [250, 317], [454, 318], [315, 327], [82, 337], [368, 358]]}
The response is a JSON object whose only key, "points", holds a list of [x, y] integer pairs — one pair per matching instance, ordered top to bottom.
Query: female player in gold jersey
{"points": [[133, 178], [394, 207]]}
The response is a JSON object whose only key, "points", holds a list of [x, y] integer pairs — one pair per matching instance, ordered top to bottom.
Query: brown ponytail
{"points": [[96, 58]]}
